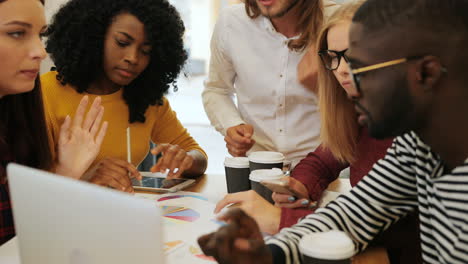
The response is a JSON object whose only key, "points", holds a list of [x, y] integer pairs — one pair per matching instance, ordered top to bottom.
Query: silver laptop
{"points": [[64, 221]]}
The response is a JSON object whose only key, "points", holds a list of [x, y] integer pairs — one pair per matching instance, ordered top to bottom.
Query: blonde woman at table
{"points": [[128, 52], [23, 131], [344, 145]]}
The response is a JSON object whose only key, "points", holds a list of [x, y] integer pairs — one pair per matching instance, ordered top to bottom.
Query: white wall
{"points": [[51, 6]]}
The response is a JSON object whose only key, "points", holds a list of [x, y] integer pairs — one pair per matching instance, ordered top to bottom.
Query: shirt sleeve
{"points": [[329, 7], [218, 95], [168, 129], [380, 199], [290, 216]]}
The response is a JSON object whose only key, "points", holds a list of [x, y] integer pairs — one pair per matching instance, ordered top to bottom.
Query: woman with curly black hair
{"points": [[129, 52]]}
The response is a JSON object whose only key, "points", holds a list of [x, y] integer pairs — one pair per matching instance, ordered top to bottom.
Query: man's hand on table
{"points": [[239, 139], [240, 241]]}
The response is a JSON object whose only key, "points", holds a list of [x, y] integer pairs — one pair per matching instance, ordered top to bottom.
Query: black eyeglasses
{"points": [[331, 58]]}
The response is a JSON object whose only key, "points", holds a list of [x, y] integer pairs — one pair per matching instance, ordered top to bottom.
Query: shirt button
{"points": [[281, 75], [281, 105], [281, 130]]}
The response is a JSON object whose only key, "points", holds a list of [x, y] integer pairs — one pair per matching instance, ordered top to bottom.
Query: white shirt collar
{"points": [[266, 22]]}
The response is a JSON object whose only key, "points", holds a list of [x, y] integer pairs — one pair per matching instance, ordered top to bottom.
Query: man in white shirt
{"points": [[255, 51]]}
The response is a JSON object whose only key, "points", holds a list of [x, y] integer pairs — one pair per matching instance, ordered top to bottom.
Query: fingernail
{"points": [[291, 198], [305, 202]]}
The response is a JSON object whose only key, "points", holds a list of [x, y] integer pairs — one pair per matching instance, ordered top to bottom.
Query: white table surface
{"points": [[9, 253]]}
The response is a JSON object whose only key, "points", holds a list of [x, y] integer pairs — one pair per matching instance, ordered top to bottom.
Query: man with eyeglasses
{"points": [[408, 63]]}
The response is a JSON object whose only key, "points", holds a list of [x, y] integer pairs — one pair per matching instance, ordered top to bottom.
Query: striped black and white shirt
{"points": [[410, 176]]}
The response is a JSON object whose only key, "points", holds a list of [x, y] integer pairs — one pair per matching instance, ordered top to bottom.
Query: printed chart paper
{"points": [[185, 217]]}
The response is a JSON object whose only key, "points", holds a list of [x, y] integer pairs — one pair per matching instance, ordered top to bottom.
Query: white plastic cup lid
{"points": [[267, 157], [236, 162], [266, 174], [331, 245]]}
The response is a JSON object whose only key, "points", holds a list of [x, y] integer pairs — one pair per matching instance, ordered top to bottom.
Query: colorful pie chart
{"points": [[165, 198], [179, 214]]}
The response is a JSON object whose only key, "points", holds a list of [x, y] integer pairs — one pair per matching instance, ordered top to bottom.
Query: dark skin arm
{"points": [[179, 162], [199, 164], [114, 173], [240, 241]]}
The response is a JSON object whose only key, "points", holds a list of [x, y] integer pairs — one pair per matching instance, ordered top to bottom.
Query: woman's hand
{"points": [[80, 139], [174, 158], [114, 173], [300, 199], [265, 214]]}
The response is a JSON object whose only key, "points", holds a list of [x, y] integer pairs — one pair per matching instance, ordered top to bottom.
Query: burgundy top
{"points": [[320, 168], [7, 229]]}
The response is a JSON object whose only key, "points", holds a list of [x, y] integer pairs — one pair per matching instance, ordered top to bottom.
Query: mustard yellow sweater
{"points": [[161, 126]]}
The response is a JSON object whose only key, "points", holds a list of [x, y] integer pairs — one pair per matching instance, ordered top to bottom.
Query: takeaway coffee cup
{"points": [[265, 160], [237, 174], [264, 175], [332, 247]]}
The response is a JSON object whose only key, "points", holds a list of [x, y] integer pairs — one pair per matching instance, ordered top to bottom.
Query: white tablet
{"points": [[157, 182]]}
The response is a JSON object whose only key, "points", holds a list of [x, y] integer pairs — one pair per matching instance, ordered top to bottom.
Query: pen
{"points": [[129, 147]]}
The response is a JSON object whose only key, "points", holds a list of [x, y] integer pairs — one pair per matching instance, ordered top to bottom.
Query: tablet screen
{"points": [[157, 182]]}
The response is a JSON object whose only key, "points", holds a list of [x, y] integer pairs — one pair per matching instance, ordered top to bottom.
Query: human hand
{"points": [[239, 139], [80, 141], [174, 158], [114, 173], [300, 199], [265, 214], [240, 241]]}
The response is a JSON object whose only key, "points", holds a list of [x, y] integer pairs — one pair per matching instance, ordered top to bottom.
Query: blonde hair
{"points": [[309, 23], [340, 130]]}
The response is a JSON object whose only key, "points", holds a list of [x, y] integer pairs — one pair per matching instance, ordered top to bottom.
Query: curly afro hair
{"points": [[76, 44]]}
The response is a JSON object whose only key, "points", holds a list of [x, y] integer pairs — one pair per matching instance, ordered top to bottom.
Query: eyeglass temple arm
{"points": [[387, 64], [378, 66]]}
